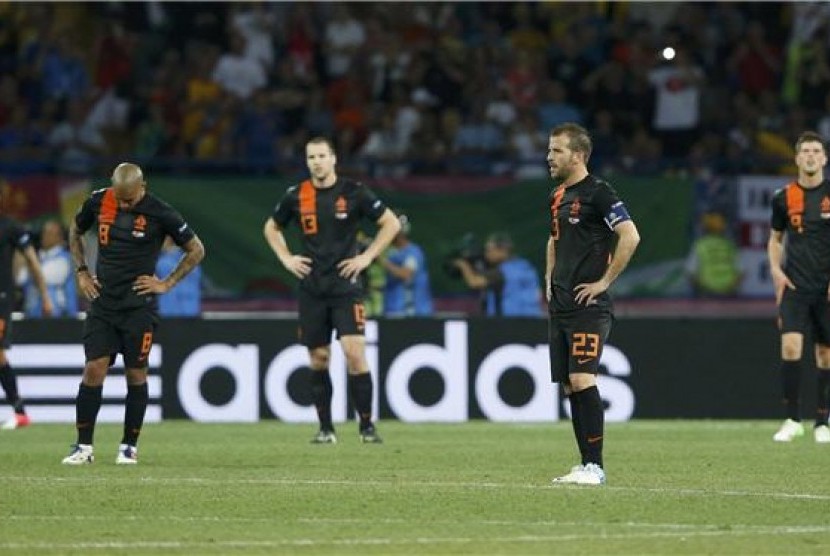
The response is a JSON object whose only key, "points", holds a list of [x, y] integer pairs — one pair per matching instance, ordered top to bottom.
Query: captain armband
{"points": [[616, 215]]}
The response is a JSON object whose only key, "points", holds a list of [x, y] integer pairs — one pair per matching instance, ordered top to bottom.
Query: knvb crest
{"points": [[341, 208], [573, 215], [139, 226]]}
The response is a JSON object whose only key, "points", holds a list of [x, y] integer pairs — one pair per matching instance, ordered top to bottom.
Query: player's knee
{"points": [[791, 346], [790, 352], [823, 357], [320, 358], [356, 362], [95, 372], [136, 377], [582, 381]]}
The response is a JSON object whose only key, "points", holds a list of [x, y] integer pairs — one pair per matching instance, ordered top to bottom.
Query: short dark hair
{"points": [[809, 137], [319, 140], [579, 140], [500, 239]]}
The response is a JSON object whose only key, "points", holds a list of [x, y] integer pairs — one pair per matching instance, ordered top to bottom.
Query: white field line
{"points": [[415, 484], [358, 521], [421, 541]]}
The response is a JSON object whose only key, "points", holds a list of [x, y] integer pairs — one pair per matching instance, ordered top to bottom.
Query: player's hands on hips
{"points": [[298, 265], [350, 268], [780, 281], [146, 284], [89, 286], [587, 293]]}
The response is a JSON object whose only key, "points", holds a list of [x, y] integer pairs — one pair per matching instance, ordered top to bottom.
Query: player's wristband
{"points": [[82, 268]]}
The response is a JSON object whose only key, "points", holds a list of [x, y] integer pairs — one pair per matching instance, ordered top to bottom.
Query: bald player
{"points": [[130, 225]]}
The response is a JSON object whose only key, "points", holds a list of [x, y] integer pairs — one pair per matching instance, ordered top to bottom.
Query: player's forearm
{"points": [[389, 228], [276, 240], [627, 243], [76, 246], [194, 252], [775, 253], [549, 259], [36, 272], [399, 272], [473, 279]]}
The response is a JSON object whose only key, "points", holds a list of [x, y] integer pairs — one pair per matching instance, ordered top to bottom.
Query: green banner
{"points": [[228, 213]]}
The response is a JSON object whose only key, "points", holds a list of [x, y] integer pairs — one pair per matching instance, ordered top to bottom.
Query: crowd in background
{"points": [[410, 88]]}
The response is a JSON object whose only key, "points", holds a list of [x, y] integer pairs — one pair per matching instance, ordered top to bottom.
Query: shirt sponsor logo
{"points": [[825, 208]]}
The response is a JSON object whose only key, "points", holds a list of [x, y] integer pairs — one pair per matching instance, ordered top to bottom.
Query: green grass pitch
{"points": [[674, 487]]}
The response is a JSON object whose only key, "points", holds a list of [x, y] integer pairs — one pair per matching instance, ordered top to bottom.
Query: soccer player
{"points": [[328, 210], [801, 212], [130, 225], [13, 238], [592, 238]]}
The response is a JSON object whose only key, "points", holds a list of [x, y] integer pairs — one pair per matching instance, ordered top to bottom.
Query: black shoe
{"points": [[368, 435], [324, 437]]}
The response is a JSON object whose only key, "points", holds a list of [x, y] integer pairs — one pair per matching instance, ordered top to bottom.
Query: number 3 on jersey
{"points": [[309, 223]]}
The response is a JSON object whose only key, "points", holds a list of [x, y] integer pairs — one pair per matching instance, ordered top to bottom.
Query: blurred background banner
{"points": [[753, 210], [228, 214], [427, 370]]}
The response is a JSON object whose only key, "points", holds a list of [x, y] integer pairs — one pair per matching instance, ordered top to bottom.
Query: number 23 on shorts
{"points": [[585, 346]]}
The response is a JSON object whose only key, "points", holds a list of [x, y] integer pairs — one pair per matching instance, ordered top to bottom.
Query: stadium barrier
{"points": [[425, 370]]}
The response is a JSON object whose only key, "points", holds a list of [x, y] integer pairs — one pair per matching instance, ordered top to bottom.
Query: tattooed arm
{"points": [[194, 252]]}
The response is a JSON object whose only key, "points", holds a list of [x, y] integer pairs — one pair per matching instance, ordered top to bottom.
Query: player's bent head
{"points": [[128, 175], [128, 184]]}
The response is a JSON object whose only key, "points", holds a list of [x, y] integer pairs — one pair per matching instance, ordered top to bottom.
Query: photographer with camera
{"points": [[510, 283], [406, 291]]}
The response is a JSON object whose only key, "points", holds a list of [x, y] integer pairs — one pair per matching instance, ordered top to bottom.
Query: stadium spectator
{"points": [[256, 23], [343, 38], [426, 58], [755, 61], [63, 69], [238, 74], [677, 103], [554, 107], [257, 133], [74, 143], [22, 144], [385, 149], [713, 265], [56, 267], [509, 283], [406, 292], [185, 300]]}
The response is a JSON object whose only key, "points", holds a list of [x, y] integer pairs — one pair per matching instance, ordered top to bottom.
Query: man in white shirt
{"points": [[237, 74], [677, 102]]}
